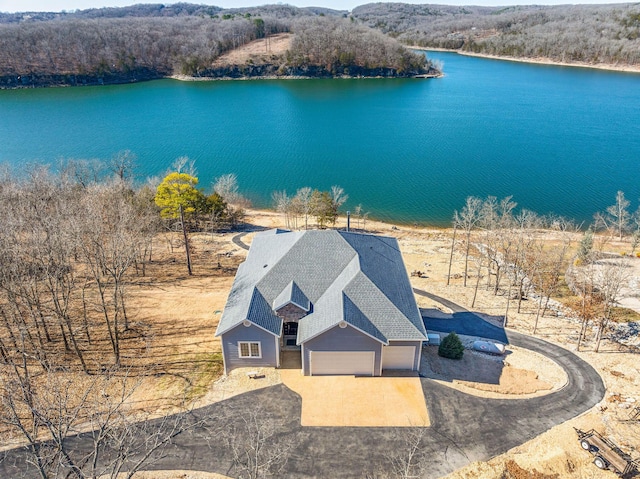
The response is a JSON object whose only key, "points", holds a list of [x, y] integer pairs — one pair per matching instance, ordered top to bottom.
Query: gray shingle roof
{"points": [[360, 279], [291, 294]]}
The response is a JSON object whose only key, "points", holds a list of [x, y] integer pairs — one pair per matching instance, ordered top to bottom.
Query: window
{"points": [[249, 349]]}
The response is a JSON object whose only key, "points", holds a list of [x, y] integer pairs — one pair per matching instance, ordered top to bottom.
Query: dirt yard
{"points": [[258, 51], [183, 312], [174, 318], [520, 374], [555, 454]]}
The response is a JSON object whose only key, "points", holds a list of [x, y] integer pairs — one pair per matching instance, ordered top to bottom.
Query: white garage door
{"points": [[398, 357], [357, 363]]}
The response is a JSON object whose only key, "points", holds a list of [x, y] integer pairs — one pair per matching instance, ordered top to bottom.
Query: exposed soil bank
{"points": [[539, 60], [229, 72]]}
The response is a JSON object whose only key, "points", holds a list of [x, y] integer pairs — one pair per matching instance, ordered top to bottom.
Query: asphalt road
{"points": [[237, 240], [462, 321], [463, 428]]}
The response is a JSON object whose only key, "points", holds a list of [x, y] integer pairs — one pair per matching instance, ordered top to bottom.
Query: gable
{"points": [[292, 295]]}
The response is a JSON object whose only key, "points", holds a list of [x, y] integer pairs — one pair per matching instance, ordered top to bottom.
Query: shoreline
{"points": [[536, 61], [187, 78], [341, 222]]}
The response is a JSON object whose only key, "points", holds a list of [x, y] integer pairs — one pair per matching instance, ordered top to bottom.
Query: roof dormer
{"points": [[291, 303]]}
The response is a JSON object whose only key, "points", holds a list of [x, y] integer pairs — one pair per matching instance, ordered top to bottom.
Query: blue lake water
{"points": [[558, 139]]}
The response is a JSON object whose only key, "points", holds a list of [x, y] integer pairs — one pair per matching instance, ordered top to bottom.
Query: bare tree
{"points": [[122, 164], [184, 164], [83, 172], [227, 187], [338, 198], [303, 200], [282, 203], [361, 216], [616, 218], [467, 219], [528, 222], [489, 223], [149, 224], [635, 235], [506, 241], [453, 245], [110, 247], [479, 263], [548, 264], [611, 280], [582, 281], [83, 429], [259, 448], [409, 459], [414, 461]]}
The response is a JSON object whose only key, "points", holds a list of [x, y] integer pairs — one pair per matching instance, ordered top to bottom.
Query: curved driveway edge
{"points": [[237, 240], [501, 424], [464, 428]]}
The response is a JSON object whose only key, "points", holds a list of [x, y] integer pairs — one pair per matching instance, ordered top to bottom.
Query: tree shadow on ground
{"points": [[460, 320], [467, 324], [472, 367]]}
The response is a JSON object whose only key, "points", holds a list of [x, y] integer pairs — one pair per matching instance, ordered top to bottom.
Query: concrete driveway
{"points": [[343, 401]]}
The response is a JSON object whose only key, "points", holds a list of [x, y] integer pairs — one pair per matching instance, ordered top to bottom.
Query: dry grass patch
{"points": [[257, 51], [179, 314]]}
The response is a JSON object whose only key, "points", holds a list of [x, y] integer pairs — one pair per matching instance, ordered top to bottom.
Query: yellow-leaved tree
{"points": [[178, 196]]}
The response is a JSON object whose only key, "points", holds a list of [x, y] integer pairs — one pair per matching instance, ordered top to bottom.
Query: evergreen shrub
{"points": [[451, 347]]}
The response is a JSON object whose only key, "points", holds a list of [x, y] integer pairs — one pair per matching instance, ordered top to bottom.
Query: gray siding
{"points": [[252, 333], [342, 339], [416, 357]]}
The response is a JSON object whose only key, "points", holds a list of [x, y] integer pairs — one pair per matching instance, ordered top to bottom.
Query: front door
{"points": [[291, 329], [290, 334]]}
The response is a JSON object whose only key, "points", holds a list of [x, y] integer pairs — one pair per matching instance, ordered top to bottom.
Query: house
{"points": [[342, 299]]}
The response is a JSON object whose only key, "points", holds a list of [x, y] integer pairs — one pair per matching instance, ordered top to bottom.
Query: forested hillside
{"points": [[139, 10], [170, 10], [566, 33], [145, 41], [339, 44], [115, 45], [128, 48]]}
